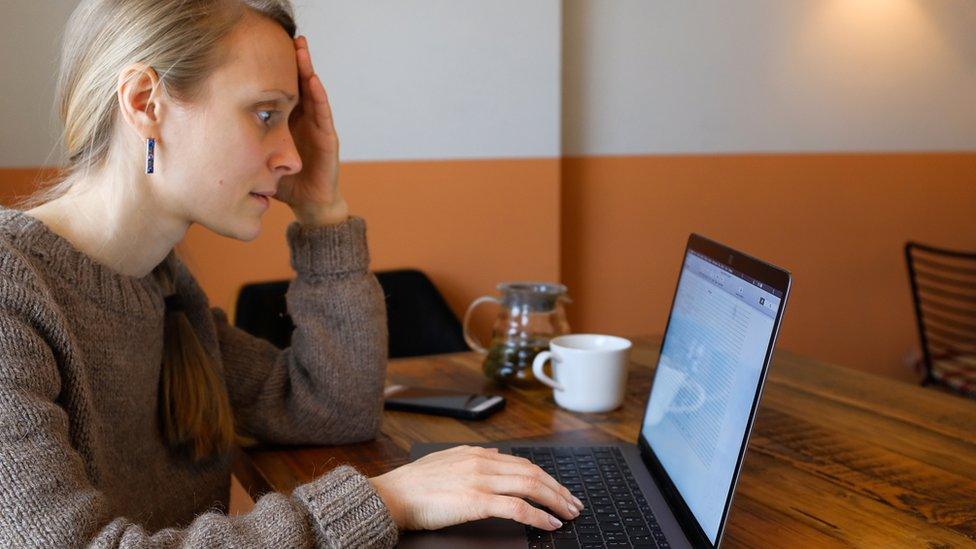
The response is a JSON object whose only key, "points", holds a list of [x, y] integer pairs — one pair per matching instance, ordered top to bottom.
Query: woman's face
{"points": [[233, 141]]}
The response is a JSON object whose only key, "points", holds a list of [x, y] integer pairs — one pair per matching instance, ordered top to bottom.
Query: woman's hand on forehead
{"points": [[313, 193]]}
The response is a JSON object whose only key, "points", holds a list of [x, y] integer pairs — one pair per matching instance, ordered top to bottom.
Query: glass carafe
{"points": [[531, 314]]}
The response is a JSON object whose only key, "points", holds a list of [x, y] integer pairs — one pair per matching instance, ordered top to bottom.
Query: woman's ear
{"points": [[139, 99]]}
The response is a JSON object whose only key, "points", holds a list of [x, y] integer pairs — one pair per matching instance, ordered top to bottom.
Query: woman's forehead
{"points": [[260, 56]]}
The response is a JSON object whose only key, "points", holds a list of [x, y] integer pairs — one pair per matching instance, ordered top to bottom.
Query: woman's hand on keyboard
{"points": [[468, 483]]}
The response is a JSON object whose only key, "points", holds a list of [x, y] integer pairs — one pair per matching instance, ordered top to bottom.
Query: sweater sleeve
{"points": [[327, 387], [48, 500]]}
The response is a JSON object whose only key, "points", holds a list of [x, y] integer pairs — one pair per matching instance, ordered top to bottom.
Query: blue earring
{"points": [[150, 154]]}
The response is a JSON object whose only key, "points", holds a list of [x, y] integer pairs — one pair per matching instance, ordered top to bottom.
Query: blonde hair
{"points": [[182, 41]]}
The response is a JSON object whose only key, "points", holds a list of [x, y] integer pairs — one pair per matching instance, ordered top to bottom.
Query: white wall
{"points": [[30, 35], [700, 76], [439, 78], [408, 79], [431, 79]]}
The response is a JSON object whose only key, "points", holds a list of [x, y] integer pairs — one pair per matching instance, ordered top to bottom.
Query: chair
{"points": [[943, 286], [261, 311], [419, 320]]}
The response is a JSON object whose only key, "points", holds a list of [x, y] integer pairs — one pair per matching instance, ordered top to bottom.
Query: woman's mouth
{"points": [[264, 200]]}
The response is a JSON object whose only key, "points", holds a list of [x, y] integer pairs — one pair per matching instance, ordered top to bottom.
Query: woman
{"points": [[121, 391]]}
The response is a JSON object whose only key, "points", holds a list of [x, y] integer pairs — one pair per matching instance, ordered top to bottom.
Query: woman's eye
{"points": [[266, 116]]}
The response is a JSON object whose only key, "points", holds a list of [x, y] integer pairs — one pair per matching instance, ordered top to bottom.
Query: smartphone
{"points": [[443, 402]]}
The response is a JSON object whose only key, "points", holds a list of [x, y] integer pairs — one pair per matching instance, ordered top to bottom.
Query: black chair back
{"points": [[944, 293], [261, 311], [418, 318]]}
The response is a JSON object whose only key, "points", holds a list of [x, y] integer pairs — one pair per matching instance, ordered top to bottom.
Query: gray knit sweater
{"points": [[81, 456]]}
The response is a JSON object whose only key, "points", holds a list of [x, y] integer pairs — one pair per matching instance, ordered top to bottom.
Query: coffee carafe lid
{"points": [[536, 296]]}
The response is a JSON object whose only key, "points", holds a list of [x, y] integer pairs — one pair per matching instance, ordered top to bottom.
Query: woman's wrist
{"points": [[319, 215], [391, 505]]}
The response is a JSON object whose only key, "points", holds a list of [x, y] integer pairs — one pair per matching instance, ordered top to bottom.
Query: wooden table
{"points": [[838, 457]]}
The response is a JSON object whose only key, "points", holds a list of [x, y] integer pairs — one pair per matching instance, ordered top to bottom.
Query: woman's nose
{"points": [[286, 158]]}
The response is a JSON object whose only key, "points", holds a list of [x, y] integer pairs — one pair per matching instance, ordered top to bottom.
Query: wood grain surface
{"points": [[838, 457]]}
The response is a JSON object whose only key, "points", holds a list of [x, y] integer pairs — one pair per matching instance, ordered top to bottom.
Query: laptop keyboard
{"points": [[615, 513]]}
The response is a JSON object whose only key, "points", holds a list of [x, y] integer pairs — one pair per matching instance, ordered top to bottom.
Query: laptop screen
{"points": [[707, 378]]}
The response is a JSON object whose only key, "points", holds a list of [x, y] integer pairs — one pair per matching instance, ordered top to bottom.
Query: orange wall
{"points": [[16, 183], [838, 222], [467, 223], [613, 228]]}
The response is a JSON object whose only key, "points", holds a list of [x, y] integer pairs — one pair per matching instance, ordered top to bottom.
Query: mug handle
{"points": [[471, 341], [537, 369]]}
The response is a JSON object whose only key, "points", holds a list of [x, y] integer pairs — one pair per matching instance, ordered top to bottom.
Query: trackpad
{"points": [[493, 532]]}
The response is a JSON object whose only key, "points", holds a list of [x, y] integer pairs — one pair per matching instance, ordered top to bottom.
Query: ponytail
{"points": [[196, 419]]}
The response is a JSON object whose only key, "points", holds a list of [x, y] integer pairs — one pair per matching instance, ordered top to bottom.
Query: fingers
{"points": [[305, 71], [315, 100], [323, 110], [516, 465], [505, 474], [550, 487], [536, 489], [518, 510]]}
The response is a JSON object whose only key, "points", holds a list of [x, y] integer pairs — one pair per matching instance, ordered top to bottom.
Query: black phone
{"points": [[443, 402]]}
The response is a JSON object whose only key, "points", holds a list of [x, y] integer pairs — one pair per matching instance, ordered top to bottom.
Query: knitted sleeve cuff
{"points": [[331, 249], [347, 511]]}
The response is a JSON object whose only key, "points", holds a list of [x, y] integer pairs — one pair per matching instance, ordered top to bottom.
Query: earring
{"points": [[150, 154]]}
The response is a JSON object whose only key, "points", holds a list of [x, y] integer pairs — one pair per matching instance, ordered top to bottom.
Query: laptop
{"points": [[673, 486]]}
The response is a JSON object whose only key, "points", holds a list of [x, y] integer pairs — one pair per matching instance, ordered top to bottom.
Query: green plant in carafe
{"points": [[531, 314]]}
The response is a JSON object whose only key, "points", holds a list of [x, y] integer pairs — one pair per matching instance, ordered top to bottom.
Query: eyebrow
{"points": [[288, 96]]}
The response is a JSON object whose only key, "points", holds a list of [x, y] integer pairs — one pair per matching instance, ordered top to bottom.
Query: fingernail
{"points": [[579, 504], [573, 511], [556, 523]]}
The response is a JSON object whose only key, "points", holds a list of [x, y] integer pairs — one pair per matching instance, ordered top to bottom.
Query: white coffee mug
{"points": [[590, 371]]}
